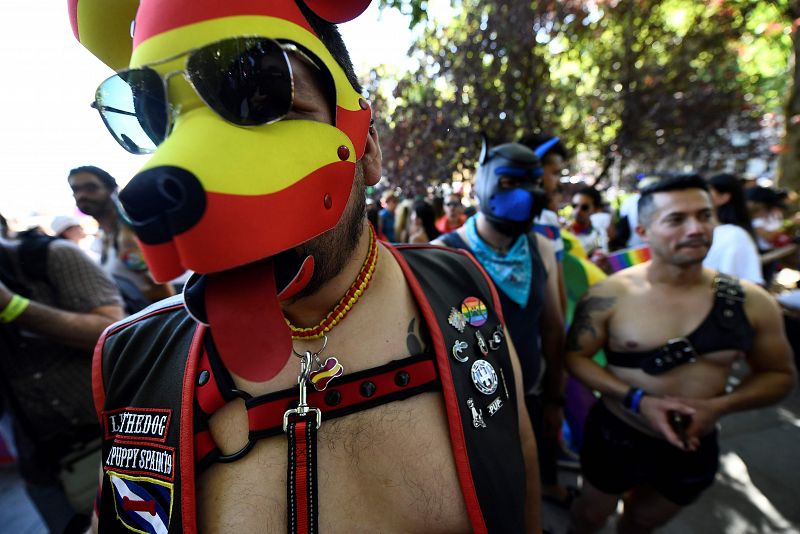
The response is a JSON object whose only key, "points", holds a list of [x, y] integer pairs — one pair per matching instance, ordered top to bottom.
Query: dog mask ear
{"points": [[337, 11], [104, 28]]}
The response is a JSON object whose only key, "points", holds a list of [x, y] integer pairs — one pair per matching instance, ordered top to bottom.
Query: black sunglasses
{"points": [[245, 80], [452, 204], [581, 207]]}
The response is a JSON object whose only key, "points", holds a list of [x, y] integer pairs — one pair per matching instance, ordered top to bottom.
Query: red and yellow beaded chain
{"points": [[349, 299]]}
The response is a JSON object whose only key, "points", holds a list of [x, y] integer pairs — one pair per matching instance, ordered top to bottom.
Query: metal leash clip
{"points": [[303, 409]]}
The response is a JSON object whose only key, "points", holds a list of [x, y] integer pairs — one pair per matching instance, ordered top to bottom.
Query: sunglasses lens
{"points": [[247, 81], [133, 106]]}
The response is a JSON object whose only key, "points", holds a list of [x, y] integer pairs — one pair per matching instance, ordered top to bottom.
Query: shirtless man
{"points": [[264, 199], [672, 331]]}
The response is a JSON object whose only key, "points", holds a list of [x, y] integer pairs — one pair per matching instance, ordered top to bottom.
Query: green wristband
{"points": [[15, 308]]}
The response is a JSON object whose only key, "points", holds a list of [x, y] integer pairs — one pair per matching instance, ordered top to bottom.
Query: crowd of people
{"points": [[757, 233], [313, 359]]}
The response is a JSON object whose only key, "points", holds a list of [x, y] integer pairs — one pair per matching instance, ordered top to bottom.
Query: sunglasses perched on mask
{"points": [[247, 81]]}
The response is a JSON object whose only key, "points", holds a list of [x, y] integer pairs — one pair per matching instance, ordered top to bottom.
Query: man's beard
{"points": [[96, 209], [332, 249]]}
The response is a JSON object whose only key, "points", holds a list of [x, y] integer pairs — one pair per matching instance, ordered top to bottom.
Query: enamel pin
{"points": [[474, 311], [456, 320], [497, 338], [482, 343], [458, 347], [484, 377], [505, 387], [495, 406], [477, 415]]}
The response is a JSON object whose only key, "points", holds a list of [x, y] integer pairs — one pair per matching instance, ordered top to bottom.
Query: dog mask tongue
{"points": [[246, 321]]}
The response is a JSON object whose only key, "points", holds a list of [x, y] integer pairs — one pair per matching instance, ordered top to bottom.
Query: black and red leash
{"points": [[300, 425]]}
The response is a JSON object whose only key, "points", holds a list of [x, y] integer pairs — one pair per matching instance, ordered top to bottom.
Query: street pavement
{"points": [[757, 490]]}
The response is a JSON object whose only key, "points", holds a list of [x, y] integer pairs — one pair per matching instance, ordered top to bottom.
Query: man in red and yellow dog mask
{"points": [[298, 327]]}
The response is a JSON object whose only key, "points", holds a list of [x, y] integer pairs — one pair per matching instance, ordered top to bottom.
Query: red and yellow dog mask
{"points": [[294, 176], [216, 195]]}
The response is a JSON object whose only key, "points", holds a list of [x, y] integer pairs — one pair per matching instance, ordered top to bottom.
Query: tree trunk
{"points": [[789, 163]]}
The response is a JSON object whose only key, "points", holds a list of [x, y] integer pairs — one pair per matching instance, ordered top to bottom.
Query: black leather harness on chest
{"points": [[725, 328], [142, 361]]}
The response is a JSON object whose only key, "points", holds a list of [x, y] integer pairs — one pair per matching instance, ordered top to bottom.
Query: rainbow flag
{"points": [[622, 259]]}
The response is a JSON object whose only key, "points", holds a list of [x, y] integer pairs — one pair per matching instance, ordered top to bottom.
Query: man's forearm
{"points": [[79, 330], [596, 377], [755, 391]]}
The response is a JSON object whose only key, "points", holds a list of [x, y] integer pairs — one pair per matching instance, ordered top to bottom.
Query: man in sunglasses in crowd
{"points": [[94, 189], [587, 202], [453, 217], [671, 331], [309, 376]]}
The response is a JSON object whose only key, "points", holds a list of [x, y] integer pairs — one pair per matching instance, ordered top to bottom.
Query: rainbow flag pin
{"points": [[622, 259]]}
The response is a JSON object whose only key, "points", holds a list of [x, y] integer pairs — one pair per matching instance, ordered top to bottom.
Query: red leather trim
{"points": [[157, 16], [124, 323], [98, 387], [208, 395], [269, 415], [457, 439], [203, 444], [301, 468], [188, 497]]}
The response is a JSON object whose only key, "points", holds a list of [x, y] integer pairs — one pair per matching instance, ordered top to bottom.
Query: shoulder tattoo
{"points": [[582, 321]]}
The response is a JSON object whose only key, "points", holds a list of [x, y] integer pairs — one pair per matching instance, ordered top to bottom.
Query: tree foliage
{"points": [[656, 83]]}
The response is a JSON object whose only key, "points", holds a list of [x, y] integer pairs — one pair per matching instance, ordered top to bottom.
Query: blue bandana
{"points": [[512, 271]]}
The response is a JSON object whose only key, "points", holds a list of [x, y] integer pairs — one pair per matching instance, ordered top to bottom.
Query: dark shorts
{"points": [[615, 457]]}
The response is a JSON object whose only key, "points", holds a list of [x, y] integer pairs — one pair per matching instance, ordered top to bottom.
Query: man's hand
{"points": [[656, 410], [703, 421]]}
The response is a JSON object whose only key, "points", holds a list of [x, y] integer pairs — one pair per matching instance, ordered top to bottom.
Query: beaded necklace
{"points": [[349, 299]]}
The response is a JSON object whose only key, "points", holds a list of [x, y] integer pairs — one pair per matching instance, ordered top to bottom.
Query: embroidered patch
{"points": [[140, 424], [141, 459], [143, 504]]}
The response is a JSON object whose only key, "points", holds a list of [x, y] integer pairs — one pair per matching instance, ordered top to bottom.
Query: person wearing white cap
{"points": [[67, 227]]}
